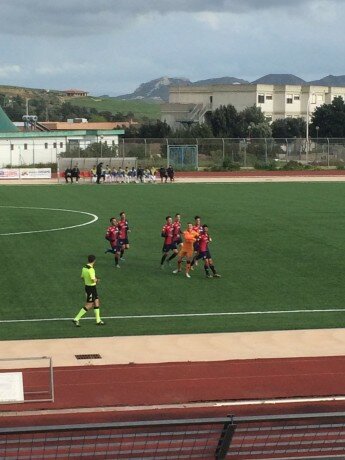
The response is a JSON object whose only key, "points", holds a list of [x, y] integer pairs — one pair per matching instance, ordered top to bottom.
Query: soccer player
{"points": [[197, 227], [123, 234], [168, 235], [112, 236], [189, 238], [177, 239], [204, 253], [88, 275]]}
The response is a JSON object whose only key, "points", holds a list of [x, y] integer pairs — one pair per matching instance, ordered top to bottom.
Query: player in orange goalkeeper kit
{"points": [[189, 237]]}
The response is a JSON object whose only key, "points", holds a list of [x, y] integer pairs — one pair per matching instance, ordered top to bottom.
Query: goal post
{"points": [[183, 157], [26, 380]]}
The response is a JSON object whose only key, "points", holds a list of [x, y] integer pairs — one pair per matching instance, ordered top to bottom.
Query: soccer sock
{"points": [[109, 250], [122, 253], [172, 256], [163, 258], [116, 259], [179, 262], [188, 267], [206, 267], [213, 269], [82, 312], [97, 314]]}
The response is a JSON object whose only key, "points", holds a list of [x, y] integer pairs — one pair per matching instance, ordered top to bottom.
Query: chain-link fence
{"points": [[225, 152], [212, 153]]}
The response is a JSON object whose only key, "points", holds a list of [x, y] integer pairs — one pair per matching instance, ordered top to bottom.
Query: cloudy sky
{"points": [[111, 46]]}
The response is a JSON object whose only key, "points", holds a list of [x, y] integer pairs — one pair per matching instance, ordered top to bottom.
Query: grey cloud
{"points": [[87, 17]]}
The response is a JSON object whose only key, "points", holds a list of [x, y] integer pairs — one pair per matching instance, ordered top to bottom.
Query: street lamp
{"points": [[307, 129], [249, 131], [317, 133], [101, 145]]}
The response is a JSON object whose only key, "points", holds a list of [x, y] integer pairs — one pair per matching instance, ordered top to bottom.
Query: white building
{"points": [[189, 104], [32, 147], [27, 148]]}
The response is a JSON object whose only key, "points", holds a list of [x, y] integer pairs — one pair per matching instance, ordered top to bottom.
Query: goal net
{"points": [[183, 157]]}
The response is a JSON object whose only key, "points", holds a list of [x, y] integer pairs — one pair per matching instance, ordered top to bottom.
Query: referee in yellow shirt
{"points": [[88, 274]]}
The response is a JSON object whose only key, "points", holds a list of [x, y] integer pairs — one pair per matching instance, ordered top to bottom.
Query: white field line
{"points": [[94, 218], [183, 315]]}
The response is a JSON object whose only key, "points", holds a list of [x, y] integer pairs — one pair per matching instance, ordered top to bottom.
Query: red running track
{"points": [[178, 383]]}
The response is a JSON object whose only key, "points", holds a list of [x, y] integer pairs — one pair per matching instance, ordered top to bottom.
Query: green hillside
{"points": [[140, 109]]}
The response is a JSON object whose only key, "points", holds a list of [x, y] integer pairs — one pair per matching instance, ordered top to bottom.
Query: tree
{"points": [[250, 117], [330, 118], [223, 121], [227, 122], [288, 127], [157, 130], [202, 130]]}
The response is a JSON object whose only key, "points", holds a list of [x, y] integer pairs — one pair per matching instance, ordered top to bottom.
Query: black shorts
{"points": [[123, 241], [168, 247], [204, 255], [91, 294]]}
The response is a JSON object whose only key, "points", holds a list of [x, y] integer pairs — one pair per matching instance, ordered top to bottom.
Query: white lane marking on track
{"points": [[94, 219], [183, 315], [182, 406]]}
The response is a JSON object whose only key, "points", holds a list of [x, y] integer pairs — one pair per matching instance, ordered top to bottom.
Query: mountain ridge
{"points": [[158, 89]]}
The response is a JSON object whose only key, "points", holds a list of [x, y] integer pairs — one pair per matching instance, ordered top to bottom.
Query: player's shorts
{"points": [[123, 241], [178, 241], [174, 245], [196, 246], [115, 247], [168, 247], [183, 253], [204, 255], [91, 294]]}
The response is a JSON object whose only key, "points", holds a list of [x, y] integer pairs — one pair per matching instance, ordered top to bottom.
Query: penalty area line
{"points": [[183, 315]]}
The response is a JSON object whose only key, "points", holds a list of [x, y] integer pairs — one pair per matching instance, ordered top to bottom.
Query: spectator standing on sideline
{"points": [[99, 172], [140, 173], [171, 173], [163, 174], [88, 275]]}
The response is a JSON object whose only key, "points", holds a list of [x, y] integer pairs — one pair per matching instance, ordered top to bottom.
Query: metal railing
{"points": [[296, 436], [172, 439]]}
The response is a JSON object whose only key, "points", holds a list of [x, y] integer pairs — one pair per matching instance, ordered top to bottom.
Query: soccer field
{"points": [[279, 248]]}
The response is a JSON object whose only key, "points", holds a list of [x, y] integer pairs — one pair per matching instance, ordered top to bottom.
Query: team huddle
{"points": [[190, 245]]}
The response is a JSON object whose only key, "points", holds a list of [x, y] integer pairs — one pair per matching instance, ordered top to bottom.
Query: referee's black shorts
{"points": [[91, 294]]}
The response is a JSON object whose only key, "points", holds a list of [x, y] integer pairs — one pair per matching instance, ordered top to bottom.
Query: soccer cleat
{"points": [[122, 258], [196, 263], [117, 266], [162, 267], [176, 271], [188, 275], [216, 275], [209, 276], [76, 322], [100, 323]]}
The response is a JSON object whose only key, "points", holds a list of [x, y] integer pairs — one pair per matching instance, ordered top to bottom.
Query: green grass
{"points": [[141, 109], [277, 246]]}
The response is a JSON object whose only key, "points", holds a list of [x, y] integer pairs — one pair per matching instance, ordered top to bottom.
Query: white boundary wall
{"points": [[16, 151]]}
